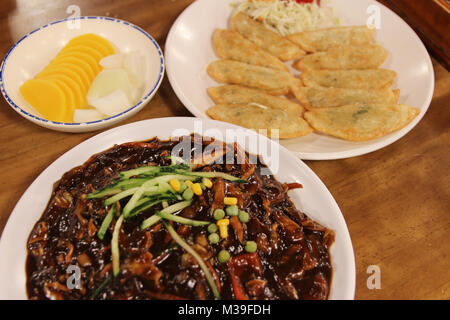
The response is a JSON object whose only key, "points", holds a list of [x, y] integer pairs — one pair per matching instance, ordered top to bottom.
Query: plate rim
{"points": [[82, 125], [359, 151], [8, 231]]}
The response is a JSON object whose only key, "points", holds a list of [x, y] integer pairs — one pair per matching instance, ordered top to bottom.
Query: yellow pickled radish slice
{"points": [[92, 38], [87, 43], [93, 44], [104, 51], [97, 55], [92, 61], [77, 62], [63, 69], [65, 72], [46, 97], [70, 99], [80, 99]]}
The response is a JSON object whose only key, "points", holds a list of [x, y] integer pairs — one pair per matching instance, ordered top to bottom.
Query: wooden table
{"points": [[396, 201]]}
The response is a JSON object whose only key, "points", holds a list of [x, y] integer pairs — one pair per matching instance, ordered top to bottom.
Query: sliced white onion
{"points": [[114, 61], [134, 63], [108, 81], [111, 104], [86, 115]]}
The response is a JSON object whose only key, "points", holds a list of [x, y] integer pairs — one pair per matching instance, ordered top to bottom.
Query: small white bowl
{"points": [[36, 49]]}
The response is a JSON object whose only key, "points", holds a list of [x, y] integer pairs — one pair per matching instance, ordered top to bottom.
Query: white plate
{"points": [[35, 50], [189, 50], [314, 199]]}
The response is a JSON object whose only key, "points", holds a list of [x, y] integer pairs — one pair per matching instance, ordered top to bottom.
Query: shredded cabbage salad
{"points": [[289, 16]]}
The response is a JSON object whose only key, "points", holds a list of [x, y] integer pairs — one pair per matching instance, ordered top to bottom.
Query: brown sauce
{"points": [[292, 260]]}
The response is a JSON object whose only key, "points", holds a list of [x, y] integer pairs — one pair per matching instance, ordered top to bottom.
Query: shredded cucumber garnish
{"points": [[223, 175], [147, 187], [120, 196], [147, 203], [170, 209], [182, 220], [106, 222], [115, 247], [199, 259], [102, 286]]}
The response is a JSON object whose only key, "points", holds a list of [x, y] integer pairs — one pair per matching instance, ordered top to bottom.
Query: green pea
{"points": [[188, 194], [232, 210], [219, 214], [243, 216], [212, 228], [213, 238], [251, 246], [223, 256]]}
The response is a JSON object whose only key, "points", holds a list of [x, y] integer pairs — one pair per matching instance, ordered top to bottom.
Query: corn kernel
{"points": [[207, 182], [189, 183], [175, 184], [196, 187], [230, 201], [223, 227]]}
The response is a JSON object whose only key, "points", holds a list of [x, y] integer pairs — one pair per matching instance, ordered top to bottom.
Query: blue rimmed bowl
{"points": [[35, 50]]}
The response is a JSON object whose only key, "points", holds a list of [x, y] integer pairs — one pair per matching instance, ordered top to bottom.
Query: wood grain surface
{"points": [[431, 20], [396, 201]]}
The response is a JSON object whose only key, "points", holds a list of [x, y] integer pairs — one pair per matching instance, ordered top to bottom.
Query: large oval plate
{"points": [[189, 50], [314, 199]]}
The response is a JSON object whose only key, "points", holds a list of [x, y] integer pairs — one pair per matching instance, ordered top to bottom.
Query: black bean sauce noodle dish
{"points": [[136, 222]]}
